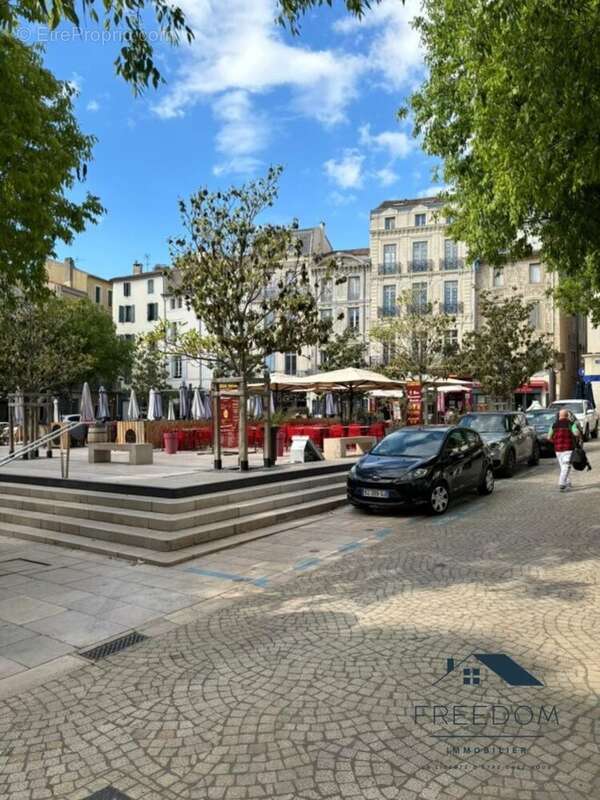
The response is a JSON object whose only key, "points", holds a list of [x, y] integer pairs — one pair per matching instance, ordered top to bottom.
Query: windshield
{"points": [[575, 408], [545, 418], [485, 423], [412, 444]]}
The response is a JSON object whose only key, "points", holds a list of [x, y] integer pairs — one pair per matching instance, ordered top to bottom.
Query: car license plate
{"points": [[375, 493]]}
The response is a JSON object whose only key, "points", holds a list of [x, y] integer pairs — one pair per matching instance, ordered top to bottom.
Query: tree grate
{"points": [[114, 646], [110, 793]]}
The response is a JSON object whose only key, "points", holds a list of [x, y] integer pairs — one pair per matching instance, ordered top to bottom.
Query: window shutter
{"points": [[121, 314]]}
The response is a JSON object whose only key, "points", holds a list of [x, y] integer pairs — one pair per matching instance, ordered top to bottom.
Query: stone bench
{"points": [[337, 447], [99, 452]]}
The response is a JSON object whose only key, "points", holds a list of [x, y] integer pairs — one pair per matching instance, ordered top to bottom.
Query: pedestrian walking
{"points": [[564, 435]]}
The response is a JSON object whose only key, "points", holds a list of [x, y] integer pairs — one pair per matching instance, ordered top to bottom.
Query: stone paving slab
{"points": [[322, 681]]}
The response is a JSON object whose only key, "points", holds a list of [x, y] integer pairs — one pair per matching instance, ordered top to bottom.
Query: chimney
{"points": [[138, 267], [69, 275], [449, 665]]}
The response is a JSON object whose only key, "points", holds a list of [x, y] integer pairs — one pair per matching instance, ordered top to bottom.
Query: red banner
{"points": [[414, 393]]}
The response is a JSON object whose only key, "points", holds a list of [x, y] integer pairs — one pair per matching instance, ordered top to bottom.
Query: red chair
{"points": [[377, 429], [354, 430], [337, 431], [251, 436], [259, 436], [180, 439]]}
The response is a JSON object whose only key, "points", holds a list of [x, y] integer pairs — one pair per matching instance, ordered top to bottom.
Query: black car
{"points": [[541, 420], [509, 437], [426, 464]]}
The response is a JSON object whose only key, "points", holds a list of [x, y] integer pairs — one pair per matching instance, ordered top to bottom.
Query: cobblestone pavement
{"points": [[322, 682]]}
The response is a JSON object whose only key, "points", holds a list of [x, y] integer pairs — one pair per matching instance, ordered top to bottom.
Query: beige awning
{"points": [[337, 380]]}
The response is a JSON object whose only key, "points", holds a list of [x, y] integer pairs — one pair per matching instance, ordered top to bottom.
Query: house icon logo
{"points": [[472, 670]]}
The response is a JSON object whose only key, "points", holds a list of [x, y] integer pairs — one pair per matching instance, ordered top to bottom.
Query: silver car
{"points": [[509, 437]]}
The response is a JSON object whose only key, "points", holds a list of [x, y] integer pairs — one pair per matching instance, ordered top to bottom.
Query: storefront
{"points": [[534, 391]]}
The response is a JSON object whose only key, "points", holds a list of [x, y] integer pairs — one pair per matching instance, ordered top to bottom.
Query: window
{"points": [[420, 220], [389, 223], [419, 254], [450, 254], [389, 259], [535, 273], [498, 279], [150, 285], [354, 287], [126, 289], [327, 291], [98, 294], [419, 296], [450, 297], [110, 298], [173, 301], [389, 301], [179, 302], [152, 312], [126, 313], [326, 313], [534, 315], [354, 318], [172, 332], [451, 340], [389, 353], [270, 362], [290, 363], [176, 367], [472, 438], [456, 442], [471, 677]]}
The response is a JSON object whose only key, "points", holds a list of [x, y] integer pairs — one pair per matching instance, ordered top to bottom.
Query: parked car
{"points": [[585, 414], [541, 420], [79, 432], [509, 437], [428, 464]]}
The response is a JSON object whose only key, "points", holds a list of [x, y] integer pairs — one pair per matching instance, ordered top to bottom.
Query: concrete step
{"points": [[161, 505], [297, 506], [163, 521], [158, 558]]}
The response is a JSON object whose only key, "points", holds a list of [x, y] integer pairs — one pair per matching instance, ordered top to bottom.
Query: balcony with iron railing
{"points": [[452, 263], [420, 265], [389, 268], [452, 307], [418, 308], [388, 311]]}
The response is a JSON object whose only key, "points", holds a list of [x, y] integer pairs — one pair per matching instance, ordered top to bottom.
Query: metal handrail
{"points": [[47, 437]]}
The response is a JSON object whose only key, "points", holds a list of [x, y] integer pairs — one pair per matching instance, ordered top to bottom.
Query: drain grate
{"points": [[114, 646], [110, 793]]}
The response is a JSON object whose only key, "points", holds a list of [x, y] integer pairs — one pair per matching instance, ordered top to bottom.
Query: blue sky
{"points": [[245, 95]]}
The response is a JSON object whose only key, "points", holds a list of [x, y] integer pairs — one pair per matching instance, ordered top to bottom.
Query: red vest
{"points": [[562, 437]]}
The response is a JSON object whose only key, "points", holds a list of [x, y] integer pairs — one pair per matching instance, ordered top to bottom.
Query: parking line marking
{"points": [[381, 534], [347, 548], [306, 563], [228, 576]]}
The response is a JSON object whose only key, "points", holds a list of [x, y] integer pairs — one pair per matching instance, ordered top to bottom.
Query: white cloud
{"points": [[244, 49], [394, 50], [76, 82], [93, 106], [242, 135], [397, 143], [347, 171], [387, 176], [433, 191], [341, 199]]}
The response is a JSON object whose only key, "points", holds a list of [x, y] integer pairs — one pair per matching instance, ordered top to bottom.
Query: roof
{"points": [[407, 203], [308, 238], [361, 252], [159, 269], [504, 666]]}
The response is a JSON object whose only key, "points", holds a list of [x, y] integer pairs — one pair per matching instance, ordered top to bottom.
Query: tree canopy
{"points": [[135, 62], [511, 105], [43, 155], [54, 345], [345, 349], [506, 350], [149, 368]]}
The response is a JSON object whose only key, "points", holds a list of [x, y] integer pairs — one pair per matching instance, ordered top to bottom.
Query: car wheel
{"points": [[595, 432], [586, 434], [535, 455], [510, 464], [487, 484], [439, 498]]}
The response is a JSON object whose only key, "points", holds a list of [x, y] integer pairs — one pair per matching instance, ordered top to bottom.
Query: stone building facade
{"points": [[68, 281]]}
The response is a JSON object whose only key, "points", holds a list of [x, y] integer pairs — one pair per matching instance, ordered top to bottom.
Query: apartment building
{"points": [[412, 256], [530, 279], [68, 281], [141, 300]]}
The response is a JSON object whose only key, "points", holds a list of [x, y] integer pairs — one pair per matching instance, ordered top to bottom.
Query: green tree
{"points": [[135, 62], [511, 106], [43, 154], [246, 280], [419, 340], [55, 345], [344, 349], [506, 350], [149, 369]]}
